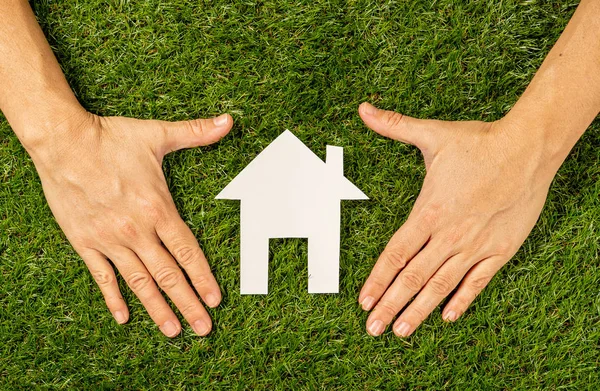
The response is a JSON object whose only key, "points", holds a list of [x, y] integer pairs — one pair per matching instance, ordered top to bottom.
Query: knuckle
{"points": [[393, 119], [197, 127], [153, 209], [430, 215], [126, 228], [102, 234], [453, 237], [79, 241], [477, 245], [504, 248], [187, 255], [394, 258], [168, 277], [103, 278], [202, 280], [412, 280], [138, 281], [378, 283], [478, 283], [441, 285], [462, 302], [387, 307], [188, 309], [420, 312]]}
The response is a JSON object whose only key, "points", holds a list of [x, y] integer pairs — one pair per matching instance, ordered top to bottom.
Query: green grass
{"points": [[302, 65]]}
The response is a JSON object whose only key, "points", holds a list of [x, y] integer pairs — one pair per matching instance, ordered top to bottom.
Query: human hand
{"points": [[104, 182], [485, 187]]}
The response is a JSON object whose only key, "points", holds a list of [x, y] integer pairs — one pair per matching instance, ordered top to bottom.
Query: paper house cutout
{"points": [[288, 192]]}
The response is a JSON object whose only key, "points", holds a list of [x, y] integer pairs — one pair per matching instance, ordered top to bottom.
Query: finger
{"points": [[395, 125], [194, 133], [182, 243], [402, 247], [105, 277], [476, 279], [171, 280], [140, 281], [408, 283], [435, 290]]}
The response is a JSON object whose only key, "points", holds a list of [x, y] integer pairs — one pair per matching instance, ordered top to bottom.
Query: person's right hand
{"points": [[104, 182]]}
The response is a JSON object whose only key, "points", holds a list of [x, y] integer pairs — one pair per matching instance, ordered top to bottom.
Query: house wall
{"points": [[299, 219], [317, 221]]}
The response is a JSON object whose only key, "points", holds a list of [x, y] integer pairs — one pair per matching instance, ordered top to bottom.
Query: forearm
{"points": [[35, 96], [564, 96]]}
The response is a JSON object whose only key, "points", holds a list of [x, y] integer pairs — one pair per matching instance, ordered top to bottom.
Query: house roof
{"points": [[288, 166]]}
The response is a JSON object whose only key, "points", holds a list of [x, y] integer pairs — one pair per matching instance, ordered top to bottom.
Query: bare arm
{"points": [[35, 96], [563, 98], [103, 179], [485, 186]]}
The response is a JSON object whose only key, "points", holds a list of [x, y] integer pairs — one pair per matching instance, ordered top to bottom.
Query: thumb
{"points": [[395, 125], [195, 133]]}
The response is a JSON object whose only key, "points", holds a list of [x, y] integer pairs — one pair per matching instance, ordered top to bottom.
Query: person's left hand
{"points": [[485, 186]]}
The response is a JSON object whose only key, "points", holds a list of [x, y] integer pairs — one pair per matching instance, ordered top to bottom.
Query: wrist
{"points": [[41, 134], [545, 138]]}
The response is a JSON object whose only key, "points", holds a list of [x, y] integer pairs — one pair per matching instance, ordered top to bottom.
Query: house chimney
{"points": [[335, 159]]}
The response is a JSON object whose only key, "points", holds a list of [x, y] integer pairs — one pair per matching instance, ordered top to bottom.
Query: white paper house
{"points": [[288, 192]]}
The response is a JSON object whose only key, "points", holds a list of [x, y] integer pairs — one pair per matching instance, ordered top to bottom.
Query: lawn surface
{"points": [[303, 65]]}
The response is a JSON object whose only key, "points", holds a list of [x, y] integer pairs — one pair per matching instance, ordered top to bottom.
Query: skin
{"points": [[103, 179], [486, 183], [485, 186]]}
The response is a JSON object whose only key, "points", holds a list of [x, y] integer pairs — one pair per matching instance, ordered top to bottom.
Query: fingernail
{"points": [[369, 108], [220, 120], [212, 300], [367, 303], [451, 316], [120, 317], [201, 327], [376, 328], [169, 329], [403, 329]]}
